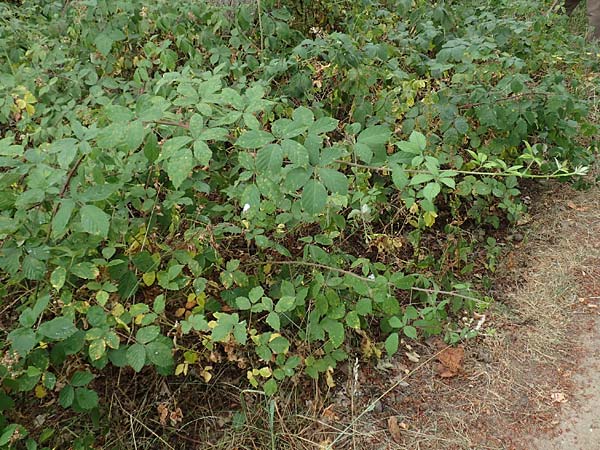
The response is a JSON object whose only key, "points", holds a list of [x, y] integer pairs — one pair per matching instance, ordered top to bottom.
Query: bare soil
{"points": [[531, 381]]}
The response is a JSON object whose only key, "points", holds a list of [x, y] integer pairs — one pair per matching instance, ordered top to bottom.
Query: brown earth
{"points": [[530, 381]]}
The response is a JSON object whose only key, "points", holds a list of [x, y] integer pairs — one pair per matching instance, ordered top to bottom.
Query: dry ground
{"points": [[529, 361]]}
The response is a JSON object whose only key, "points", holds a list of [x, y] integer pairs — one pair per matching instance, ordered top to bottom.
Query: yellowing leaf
{"points": [[429, 218], [149, 278], [40, 391]]}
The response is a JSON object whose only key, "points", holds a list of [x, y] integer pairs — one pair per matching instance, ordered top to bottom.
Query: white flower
{"points": [[246, 207], [364, 209], [371, 277]]}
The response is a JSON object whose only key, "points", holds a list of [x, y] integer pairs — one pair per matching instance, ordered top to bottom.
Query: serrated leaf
{"points": [[303, 115], [323, 125], [287, 129], [375, 136], [254, 139], [418, 139], [295, 152], [202, 153], [269, 159], [179, 166], [399, 177], [421, 178], [335, 181], [431, 190], [314, 197], [62, 217], [94, 221], [33, 268], [85, 270], [58, 278], [149, 278], [285, 303], [159, 304], [273, 320], [352, 320], [59, 328], [335, 330], [410, 331], [147, 334], [22, 340], [391, 344], [97, 349], [159, 354], [136, 356], [81, 378], [270, 387], [66, 396], [86, 399]]}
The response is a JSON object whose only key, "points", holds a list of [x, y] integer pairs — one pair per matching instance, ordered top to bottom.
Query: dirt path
{"points": [[531, 381], [579, 427]]}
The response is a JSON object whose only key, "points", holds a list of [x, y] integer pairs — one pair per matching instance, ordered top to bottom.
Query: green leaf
{"points": [[103, 43], [303, 115], [323, 125], [287, 129], [375, 136], [254, 139], [418, 139], [151, 148], [295, 152], [363, 152], [202, 153], [269, 159], [179, 166], [399, 177], [421, 178], [335, 181], [431, 190], [314, 197], [94, 221], [33, 268], [85, 270], [58, 278], [243, 303], [285, 303], [159, 304], [364, 306], [273, 320], [352, 320], [57, 329], [335, 330], [410, 332], [147, 334], [22, 340], [391, 344], [97, 349], [159, 354], [136, 356], [81, 378], [270, 387], [66, 396], [86, 399]]}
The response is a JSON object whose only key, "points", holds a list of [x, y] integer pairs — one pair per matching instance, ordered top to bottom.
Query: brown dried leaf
{"points": [[450, 361], [163, 413], [329, 413], [176, 416], [394, 429]]}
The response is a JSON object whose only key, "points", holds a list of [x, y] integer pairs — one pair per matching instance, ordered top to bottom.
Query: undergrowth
{"points": [[186, 186]]}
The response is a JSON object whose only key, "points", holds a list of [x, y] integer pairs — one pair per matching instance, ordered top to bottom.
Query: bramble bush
{"points": [[180, 181]]}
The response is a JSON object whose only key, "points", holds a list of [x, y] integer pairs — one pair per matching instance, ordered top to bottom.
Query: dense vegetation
{"points": [[184, 186]]}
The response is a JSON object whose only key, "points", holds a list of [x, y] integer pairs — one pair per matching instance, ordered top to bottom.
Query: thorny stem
{"points": [[385, 169], [366, 279]]}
